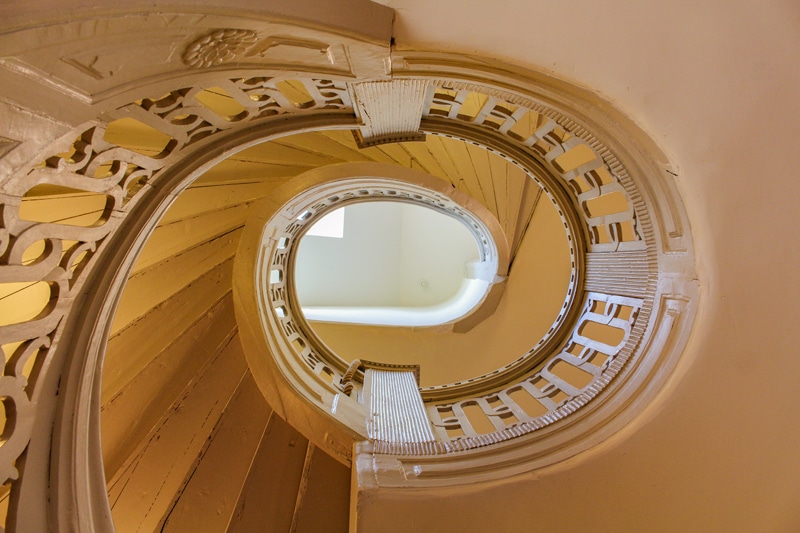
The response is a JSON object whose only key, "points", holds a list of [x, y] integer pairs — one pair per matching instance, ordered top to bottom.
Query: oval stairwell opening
{"points": [[392, 264]]}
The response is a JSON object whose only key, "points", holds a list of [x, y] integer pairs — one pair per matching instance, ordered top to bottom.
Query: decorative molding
{"points": [[231, 45], [218, 47], [87, 68], [35, 74], [390, 110], [555, 143], [84, 160], [623, 273], [396, 412]]}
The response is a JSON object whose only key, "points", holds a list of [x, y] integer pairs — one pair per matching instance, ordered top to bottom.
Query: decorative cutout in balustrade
{"points": [[598, 195], [609, 207], [58, 249], [59, 254], [576, 373]]}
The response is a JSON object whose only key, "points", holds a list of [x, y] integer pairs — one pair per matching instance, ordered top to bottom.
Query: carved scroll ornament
{"points": [[220, 46]]}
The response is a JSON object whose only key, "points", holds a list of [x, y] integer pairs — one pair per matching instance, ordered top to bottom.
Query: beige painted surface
{"points": [[716, 87], [130, 415]]}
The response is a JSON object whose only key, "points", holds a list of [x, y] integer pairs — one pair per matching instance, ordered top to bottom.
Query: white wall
{"points": [[388, 248], [434, 248], [358, 269]]}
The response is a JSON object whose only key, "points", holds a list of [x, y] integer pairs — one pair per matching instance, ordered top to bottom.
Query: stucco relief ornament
{"points": [[219, 47]]}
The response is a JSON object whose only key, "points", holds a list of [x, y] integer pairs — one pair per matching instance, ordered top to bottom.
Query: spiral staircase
{"points": [[160, 374], [189, 443]]}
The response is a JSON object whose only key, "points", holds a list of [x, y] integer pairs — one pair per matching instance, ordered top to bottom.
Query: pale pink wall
{"points": [[716, 84]]}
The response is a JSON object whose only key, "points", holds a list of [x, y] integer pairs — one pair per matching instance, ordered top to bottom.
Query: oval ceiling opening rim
{"points": [[292, 210], [280, 220]]}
